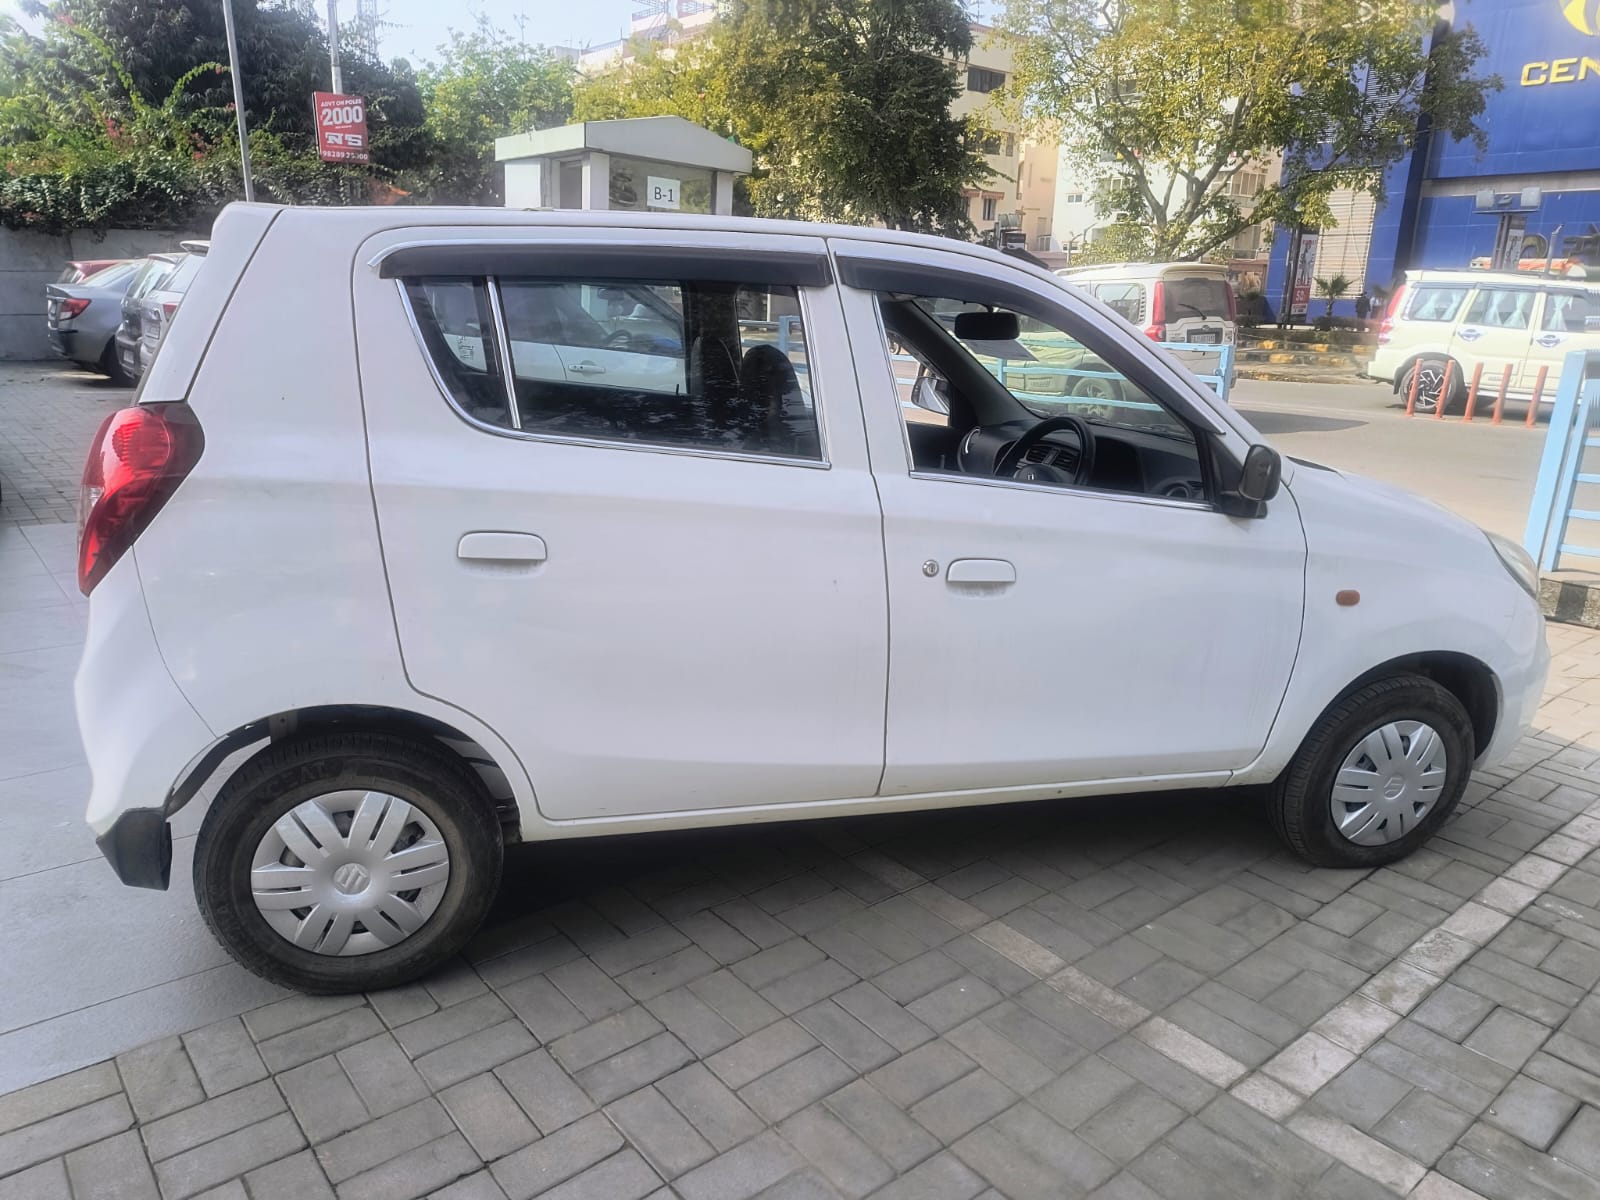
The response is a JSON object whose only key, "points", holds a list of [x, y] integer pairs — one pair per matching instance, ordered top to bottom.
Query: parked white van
{"points": [[1171, 302], [1466, 320], [394, 605]]}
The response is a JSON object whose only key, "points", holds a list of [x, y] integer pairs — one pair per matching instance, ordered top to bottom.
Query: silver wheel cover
{"points": [[1388, 783], [350, 872]]}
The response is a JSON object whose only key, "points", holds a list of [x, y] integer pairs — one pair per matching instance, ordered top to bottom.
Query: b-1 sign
{"points": [[341, 127], [661, 192]]}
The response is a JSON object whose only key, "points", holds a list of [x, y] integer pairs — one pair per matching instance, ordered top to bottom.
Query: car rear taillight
{"points": [[72, 307], [168, 307], [1387, 326], [1157, 329], [136, 462]]}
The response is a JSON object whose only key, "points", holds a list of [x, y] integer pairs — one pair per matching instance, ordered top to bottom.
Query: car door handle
{"points": [[1468, 334], [1547, 340], [587, 368], [501, 547], [981, 570]]}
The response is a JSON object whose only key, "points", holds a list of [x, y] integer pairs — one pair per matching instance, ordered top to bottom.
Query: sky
{"points": [[417, 27]]}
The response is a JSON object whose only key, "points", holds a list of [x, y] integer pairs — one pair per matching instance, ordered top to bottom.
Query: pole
{"points": [[333, 47], [238, 99], [1550, 250]]}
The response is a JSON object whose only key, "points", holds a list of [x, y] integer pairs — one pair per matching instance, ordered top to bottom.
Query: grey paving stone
{"points": [[716, 937], [1120, 959], [1574, 962], [770, 965], [677, 969], [912, 980], [454, 983], [1159, 984], [807, 986], [589, 988], [735, 1001], [401, 1005], [541, 1006], [1452, 1011], [296, 1012], [884, 1016], [694, 1022], [438, 1029], [1218, 1031], [845, 1035], [606, 1037], [1508, 1038], [306, 1042], [475, 1053], [224, 1057], [752, 1057], [1006, 1060], [1461, 1061], [633, 1068], [1418, 1069], [920, 1072], [382, 1074], [1564, 1077], [159, 1078], [796, 1083], [1177, 1083], [1082, 1091], [545, 1092], [1363, 1094], [55, 1096], [322, 1099], [963, 1105], [715, 1111], [1533, 1111], [485, 1112], [204, 1122], [1127, 1126], [1422, 1126], [885, 1127], [62, 1132], [660, 1132], [378, 1141], [1579, 1143], [1287, 1151], [231, 1155], [1068, 1156], [557, 1157], [848, 1163], [1501, 1167], [113, 1169], [742, 1171], [1012, 1171], [414, 1173], [623, 1176], [298, 1177], [942, 1177], [47, 1181], [1340, 1182], [805, 1184], [480, 1186], [1120, 1187]]}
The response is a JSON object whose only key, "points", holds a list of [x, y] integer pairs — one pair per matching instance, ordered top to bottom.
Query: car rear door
{"points": [[1562, 327], [1494, 332], [664, 599]]}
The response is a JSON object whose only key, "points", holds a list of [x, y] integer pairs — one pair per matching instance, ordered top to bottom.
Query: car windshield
{"points": [[112, 275]]}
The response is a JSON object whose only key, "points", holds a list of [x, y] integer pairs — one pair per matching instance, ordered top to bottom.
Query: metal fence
{"points": [[1574, 430]]}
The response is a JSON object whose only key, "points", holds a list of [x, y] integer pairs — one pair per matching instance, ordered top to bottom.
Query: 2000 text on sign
{"points": [[341, 127]]}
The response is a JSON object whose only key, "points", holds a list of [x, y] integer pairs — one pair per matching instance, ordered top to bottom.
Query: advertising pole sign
{"points": [[341, 127], [1304, 269]]}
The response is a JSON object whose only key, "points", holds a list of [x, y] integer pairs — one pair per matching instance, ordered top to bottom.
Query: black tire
{"points": [[111, 366], [1432, 371], [284, 775], [1298, 802]]}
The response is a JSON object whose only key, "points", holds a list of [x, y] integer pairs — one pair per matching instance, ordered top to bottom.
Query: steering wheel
{"points": [[620, 340], [1008, 462]]}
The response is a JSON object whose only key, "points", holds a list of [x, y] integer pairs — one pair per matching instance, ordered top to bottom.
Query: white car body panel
{"points": [[710, 639]]}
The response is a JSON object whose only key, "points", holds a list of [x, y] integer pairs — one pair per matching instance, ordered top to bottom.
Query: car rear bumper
{"points": [[62, 341], [128, 356], [139, 734]]}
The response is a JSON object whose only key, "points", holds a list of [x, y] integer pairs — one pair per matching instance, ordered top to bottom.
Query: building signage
{"points": [[1584, 16], [341, 127], [661, 192], [1304, 274]]}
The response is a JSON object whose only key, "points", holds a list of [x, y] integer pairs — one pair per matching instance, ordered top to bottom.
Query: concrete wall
{"points": [[29, 261]]}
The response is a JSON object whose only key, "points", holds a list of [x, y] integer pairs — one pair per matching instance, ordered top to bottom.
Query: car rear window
{"points": [[188, 267], [1195, 296], [1436, 302]]}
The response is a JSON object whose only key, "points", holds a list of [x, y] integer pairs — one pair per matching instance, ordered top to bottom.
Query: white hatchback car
{"points": [[399, 604]]}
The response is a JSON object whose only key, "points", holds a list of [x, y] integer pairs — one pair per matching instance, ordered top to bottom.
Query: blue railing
{"points": [[1574, 424]]}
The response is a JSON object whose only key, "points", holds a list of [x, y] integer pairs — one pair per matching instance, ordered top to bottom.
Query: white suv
{"points": [[400, 591]]}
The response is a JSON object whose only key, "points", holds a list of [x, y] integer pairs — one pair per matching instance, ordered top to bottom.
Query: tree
{"points": [[486, 84], [1166, 101], [844, 104], [1333, 289]]}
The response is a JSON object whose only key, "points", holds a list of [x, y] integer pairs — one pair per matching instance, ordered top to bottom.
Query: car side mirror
{"points": [[925, 394], [1258, 482]]}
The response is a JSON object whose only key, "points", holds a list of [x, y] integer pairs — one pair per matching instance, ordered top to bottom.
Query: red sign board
{"points": [[341, 127]]}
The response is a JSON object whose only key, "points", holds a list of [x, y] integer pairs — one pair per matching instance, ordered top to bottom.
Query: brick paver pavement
{"points": [[48, 415], [1128, 999]]}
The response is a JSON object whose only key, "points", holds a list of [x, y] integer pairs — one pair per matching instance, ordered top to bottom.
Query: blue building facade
{"points": [[1447, 205]]}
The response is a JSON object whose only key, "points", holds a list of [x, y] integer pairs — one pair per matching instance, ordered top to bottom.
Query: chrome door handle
{"points": [[1468, 334], [1547, 340], [587, 368], [501, 547], [993, 571]]}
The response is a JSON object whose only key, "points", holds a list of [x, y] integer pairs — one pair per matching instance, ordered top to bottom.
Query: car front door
{"points": [[1493, 334], [665, 599], [1046, 633]]}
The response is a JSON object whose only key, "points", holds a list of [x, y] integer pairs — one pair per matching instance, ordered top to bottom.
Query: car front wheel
{"points": [[1377, 775], [348, 862]]}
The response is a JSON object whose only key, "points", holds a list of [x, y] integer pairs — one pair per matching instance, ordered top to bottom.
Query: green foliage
{"points": [[485, 85], [1165, 101], [844, 104], [1333, 289]]}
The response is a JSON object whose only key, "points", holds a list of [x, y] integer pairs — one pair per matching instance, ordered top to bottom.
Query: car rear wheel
{"points": [[111, 365], [1429, 374], [1377, 775], [347, 863]]}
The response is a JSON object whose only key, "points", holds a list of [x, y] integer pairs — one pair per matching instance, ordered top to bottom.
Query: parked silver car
{"points": [[152, 272], [160, 304], [81, 319]]}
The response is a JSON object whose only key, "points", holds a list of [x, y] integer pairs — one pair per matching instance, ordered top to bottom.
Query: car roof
{"points": [[1135, 270], [1502, 279]]}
